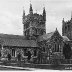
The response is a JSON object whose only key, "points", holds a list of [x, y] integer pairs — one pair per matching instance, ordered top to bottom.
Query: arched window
{"points": [[56, 47], [13, 52]]}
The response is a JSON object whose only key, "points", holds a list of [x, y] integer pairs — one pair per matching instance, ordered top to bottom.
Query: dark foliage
{"points": [[67, 51], [0, 54], [29, 55], [39, 56], [9, 57], [19, 57]]}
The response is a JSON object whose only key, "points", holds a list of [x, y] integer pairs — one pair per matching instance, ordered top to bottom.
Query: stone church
{"points": [[34, 24], [33, 27], [67, 30], [35, 38]]}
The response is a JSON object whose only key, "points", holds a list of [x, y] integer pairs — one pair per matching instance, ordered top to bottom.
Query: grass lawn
{"points": [[38, 66], [5, 68]]}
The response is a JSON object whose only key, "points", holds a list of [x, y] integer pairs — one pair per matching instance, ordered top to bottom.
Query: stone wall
{"points": [[6, 50]]}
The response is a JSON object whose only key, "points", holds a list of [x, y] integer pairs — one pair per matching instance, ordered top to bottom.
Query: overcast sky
{"points": [[11, 14]]}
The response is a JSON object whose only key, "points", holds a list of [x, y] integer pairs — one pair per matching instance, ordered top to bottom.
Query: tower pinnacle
{"points": [[30, 10], [23, 13], [44, 14], [71, 15], [23, 17], [63, 20]]}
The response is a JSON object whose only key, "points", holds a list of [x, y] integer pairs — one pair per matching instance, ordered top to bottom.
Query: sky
{"points": [[11, 12]]}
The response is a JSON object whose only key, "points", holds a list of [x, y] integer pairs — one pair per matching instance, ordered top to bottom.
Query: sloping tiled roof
{"points": [[46, 36], [65, 38], [16, 40]]}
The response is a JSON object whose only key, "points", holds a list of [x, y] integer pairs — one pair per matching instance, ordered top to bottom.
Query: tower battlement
{"points": [[34, 24], [67, 28]]}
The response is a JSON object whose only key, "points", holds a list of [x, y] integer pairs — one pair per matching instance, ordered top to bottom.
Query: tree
{"points": [[67, 51]]}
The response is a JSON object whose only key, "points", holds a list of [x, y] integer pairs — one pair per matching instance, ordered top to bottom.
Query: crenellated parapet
{"points": [[34, 23], [67, 28]]}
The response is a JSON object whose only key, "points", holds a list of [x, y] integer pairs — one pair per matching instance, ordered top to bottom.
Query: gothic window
{"points": [[65, 28], [34, 31], [56, 47], [13, 52]]}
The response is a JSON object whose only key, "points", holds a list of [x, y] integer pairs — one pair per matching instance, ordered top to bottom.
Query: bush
{"points": [[9, 57], [19, 57], [56, 61]]}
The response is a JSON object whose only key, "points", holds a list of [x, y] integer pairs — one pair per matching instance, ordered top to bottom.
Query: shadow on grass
{"points": [[39, 66]]}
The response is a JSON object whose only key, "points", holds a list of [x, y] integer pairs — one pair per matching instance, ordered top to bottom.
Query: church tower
{"points": [[34, 24], [67, 28]]}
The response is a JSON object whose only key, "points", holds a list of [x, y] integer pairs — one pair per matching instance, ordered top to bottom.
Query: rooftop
{"points": [[16, 40]]}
